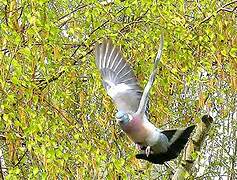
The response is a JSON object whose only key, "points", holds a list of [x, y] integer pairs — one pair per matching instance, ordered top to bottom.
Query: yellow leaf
{"points": [[56, 53], [82, 98], [201, 100]]}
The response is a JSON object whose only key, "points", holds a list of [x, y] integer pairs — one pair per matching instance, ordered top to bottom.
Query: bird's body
{"points": [[122, 86], [136, 130], [144, 133]]}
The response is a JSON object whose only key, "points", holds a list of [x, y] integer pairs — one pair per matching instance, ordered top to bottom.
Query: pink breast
{"points": [[135, 130]]}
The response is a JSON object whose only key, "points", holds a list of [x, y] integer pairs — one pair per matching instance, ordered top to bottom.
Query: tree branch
{"points": [[223, 8], [220, 9], [73, 11], [137, 20], [194, 145], [2, 166]]}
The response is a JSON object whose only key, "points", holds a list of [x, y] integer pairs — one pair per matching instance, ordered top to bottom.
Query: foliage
{"points": [[56, 119]]}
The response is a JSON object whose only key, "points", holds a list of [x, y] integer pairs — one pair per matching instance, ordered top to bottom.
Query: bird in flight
{"points": [[156, 145]]}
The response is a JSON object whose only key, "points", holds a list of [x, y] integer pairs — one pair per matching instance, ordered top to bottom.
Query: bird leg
{"points": [[139, 147], [148, 150]]}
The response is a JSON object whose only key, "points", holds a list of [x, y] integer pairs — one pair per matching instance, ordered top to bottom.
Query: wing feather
{"points": [[118, 77]]}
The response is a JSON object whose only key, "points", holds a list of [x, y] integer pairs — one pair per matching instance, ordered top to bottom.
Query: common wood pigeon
{"points": [[157, 146]]}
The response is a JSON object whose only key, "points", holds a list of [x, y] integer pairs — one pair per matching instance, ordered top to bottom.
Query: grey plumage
{"points": [[118, 77], [122, 86], [144, 98], [173, 150]]}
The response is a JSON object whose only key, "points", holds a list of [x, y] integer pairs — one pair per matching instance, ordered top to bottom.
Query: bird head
{"points": [[123, 118]]}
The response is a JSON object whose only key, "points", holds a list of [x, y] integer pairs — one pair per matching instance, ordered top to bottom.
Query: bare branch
{"points": [[223, 8], [75, 10], [137, 20], [94, 30], [43, 82], [2, 165]]}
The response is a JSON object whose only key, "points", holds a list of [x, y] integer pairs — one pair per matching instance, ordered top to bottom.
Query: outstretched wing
{"points": [[118, 78], [144, 99]]}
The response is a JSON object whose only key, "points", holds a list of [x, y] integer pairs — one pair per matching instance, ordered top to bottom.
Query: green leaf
{"points": [[25, 51], [223, 52], [233, 52], [35, 170]]}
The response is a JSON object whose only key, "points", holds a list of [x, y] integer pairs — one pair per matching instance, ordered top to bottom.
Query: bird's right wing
{"points": [[118, 78]]}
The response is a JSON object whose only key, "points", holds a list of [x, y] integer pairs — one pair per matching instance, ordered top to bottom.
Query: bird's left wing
{"points": [[118, 78], [144, 99]]}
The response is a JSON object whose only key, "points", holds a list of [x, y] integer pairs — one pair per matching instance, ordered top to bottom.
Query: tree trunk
{"points": [[188, 159]]}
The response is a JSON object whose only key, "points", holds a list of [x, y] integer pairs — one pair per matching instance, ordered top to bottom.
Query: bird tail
{"points": [[178, 137], [177, 140]]}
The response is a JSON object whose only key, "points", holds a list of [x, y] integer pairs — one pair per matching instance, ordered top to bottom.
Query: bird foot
{"points": [[138, 147], [148, 150]]}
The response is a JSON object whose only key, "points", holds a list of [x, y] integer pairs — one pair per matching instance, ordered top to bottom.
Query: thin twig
{"points": [[22, 8], [75, 10], [229, 10], [217, 11], [137, 20], [65, 22], [129, 24], [94, 30], [82, 56], [43, 83], [57, 110], [20, 159]]}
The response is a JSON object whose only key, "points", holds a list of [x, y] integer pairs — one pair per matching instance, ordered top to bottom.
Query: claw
{"points": [[138, 147], [148, 150]]}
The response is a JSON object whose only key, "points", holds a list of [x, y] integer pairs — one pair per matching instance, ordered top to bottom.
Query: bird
{"points": [[155, 145]]}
